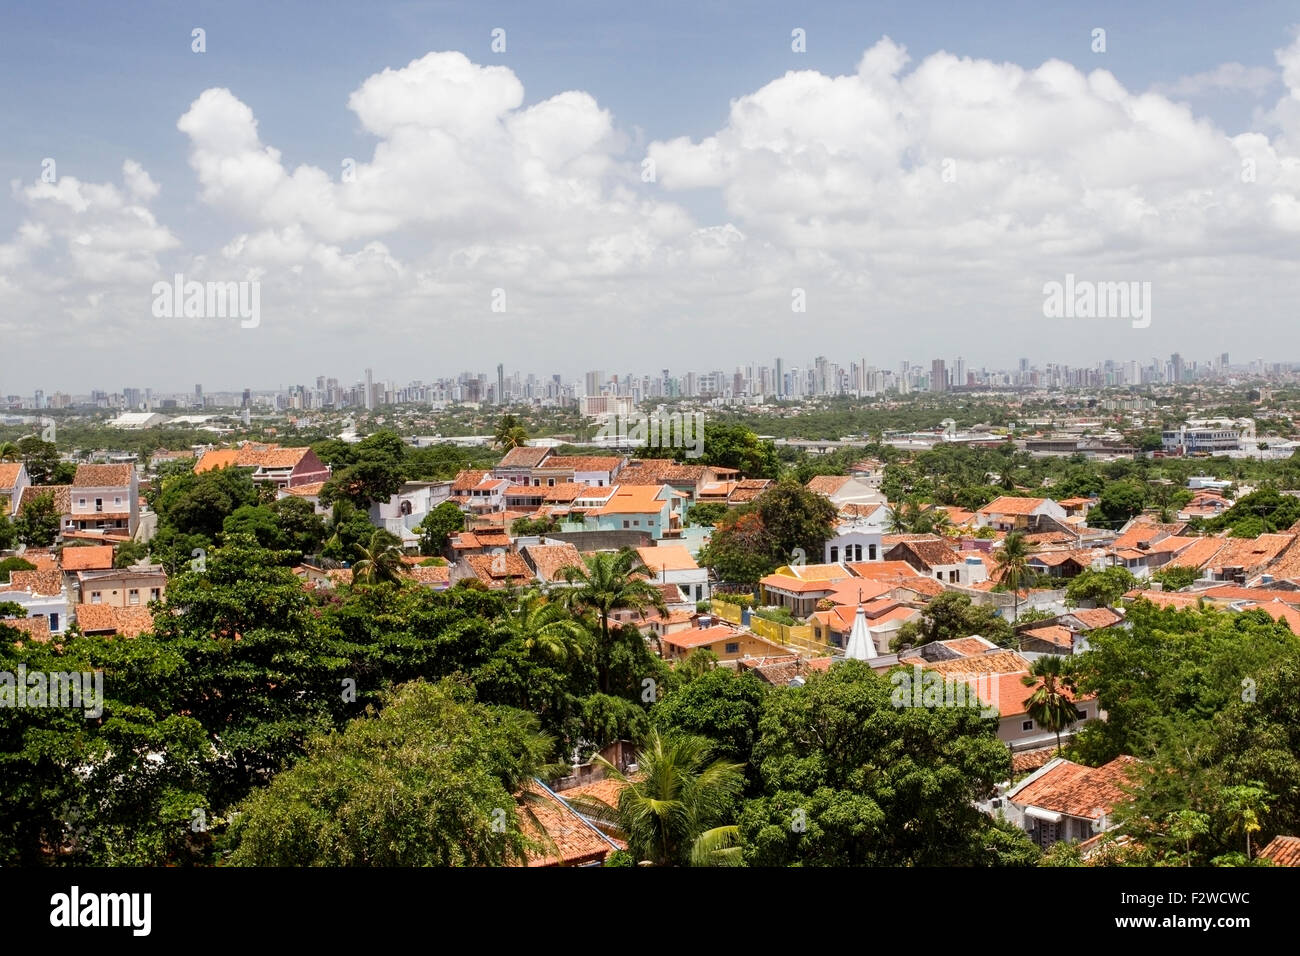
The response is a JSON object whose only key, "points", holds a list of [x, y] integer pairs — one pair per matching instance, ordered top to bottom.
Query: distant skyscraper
{"points": [[1176, 367], [959, 373], [938, 376], [780, 378], [595, 380], [501, 384], [370, 390]]}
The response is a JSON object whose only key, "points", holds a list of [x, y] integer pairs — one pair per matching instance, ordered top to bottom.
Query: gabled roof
{"points": [[524, 457], [583, 462], [9, 471], [103, 476], [468, 478], [827, 485], [62, 496], [633, 500], [1006, 505], [929, 553], [1251, 553], [1196, 554], [669, 557], [90, 558], [551, 559], [496, 570], [45, 581], [1096, 617], [105, 619], [37, 628], [1052, 634], [701, 636], [987, 662], [1077, 791], [565, 838], [1282, 851]]}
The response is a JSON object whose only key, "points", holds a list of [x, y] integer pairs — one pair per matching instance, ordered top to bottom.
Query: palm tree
{"points": [[510, 433], [10, 452], [903, 518], [938, 521], [381, 560], [1012, 560], [610, 582], [542, 625], [1052, 704], [669, 814]]}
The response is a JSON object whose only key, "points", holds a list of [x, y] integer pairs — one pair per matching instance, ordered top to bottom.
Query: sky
{"points": [[430, 187]]}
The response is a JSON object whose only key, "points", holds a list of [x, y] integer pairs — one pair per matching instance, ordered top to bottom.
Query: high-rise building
{"points": [[1176, 368], [959, 373], [938, 376], [780, 378], [594, 381], [501, 384], [370, 390]]}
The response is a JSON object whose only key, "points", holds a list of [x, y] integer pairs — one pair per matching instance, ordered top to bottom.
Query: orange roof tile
{"points": [[9, 471], [103, 476], [1006, 505], [669, 557], [88, 558], [551, 559], [123, 621], [1079, 791], [1282, 851]]}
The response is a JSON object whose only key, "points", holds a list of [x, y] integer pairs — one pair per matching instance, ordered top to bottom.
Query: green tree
{"points": [[510, 433], [735, 446], [41, 459], [375, 473], [1120, 501], [706, 513], [39, 521], [437, 527], [301, 528], [8, 534], [129, 553], [380, 560], [1012, 563], [1175, 579], [609, 582], [1101, 588], [952, 615], [544, 625], [716, 704], [1051, 705], [430, 781], [1244, 805], [674, 812]]}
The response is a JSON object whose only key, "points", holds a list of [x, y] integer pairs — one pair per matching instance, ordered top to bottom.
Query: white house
{"points": [[13, 479], [846, 490], [105, 498], [402, 513], [1018, 514], [673, 564]]}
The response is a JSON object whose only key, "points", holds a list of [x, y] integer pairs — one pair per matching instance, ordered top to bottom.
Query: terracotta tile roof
{"points": [[524, 457], [217, 458], [583, 462], [661, 471], [9, 473], [103, 476], [467, 479], [827, 485], [309, 490], [524, 491], [564, 492], [62, 496], [1074, 502], [1011, 506], [858, 510], [958, 516], [1144, 530], [1049, 537], [930, 553], [1251, 553], [1197, 554], [673, 557], [89, 558], [551, 559], [1052, 559], [41, 560], [1287, 564], [495, 570], [883, 570], [431, 574], [47, 582], [785, 582], [921, 585], [1234, 592], [1164, 598], [1279, 612], [1097, 617], [104, 618], [37, 628], [1052, 634], [700, 636], [970, 646], [994, 662], [1009, 695], [1027, 760], [606, 790], [1078, 791], [565, 837], [1282, 851]]}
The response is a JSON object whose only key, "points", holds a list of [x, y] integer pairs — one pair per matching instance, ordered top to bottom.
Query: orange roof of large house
{"points": [[523, 456], [217, 458], [583, 462], [659, 471], [9, 473], [102, 476], [468, 478], [827, 484], [309, 490], [563, 492], [633, 500], [1006, 505], [1144, 530], [930, 553], [1251, 553], [1196, 554], [95, 557], [668, 557], [551, 559], [1287, 564], [498, 569], [883, 570], [429, 574], [786, 582], [1164, 598], [1278, 611], [1096, 617], [124, 621], [1052, 634], [700, 636], [986, 662], [1007, 692], [1078, 791], [564, 837], [1282, 851]]}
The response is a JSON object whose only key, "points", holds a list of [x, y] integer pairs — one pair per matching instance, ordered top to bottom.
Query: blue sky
{"points": [[93, 84]]}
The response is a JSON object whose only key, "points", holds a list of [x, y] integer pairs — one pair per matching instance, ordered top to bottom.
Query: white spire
{"points": [[860, 646]]}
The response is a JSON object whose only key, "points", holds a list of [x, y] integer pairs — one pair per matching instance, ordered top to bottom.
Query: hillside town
{"points": [[772, 568]]}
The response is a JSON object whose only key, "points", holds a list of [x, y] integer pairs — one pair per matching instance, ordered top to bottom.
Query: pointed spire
{"points": [[860, 646]]}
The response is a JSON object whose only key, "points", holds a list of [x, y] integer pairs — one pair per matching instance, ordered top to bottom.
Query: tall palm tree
{"points": [[510, 433], [9, 451], [903, 517], [938, 521], [381, 560], [1012, 560], [609, 581], [542, 625], [1052, 704], [669, 814]]}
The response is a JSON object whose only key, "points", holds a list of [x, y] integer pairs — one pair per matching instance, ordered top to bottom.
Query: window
{"points": [[550, 482], [117, 500], [81, 502], [99, 504], [636, 522], [626, 524], [857, 552], [871, 552], [835, 554], [939, 575], [952, 575], [699, 592], [155, 594], [133, 596], [95, 597], [54, 622], [733, 648], [1081, 714], [1027, 725]]}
